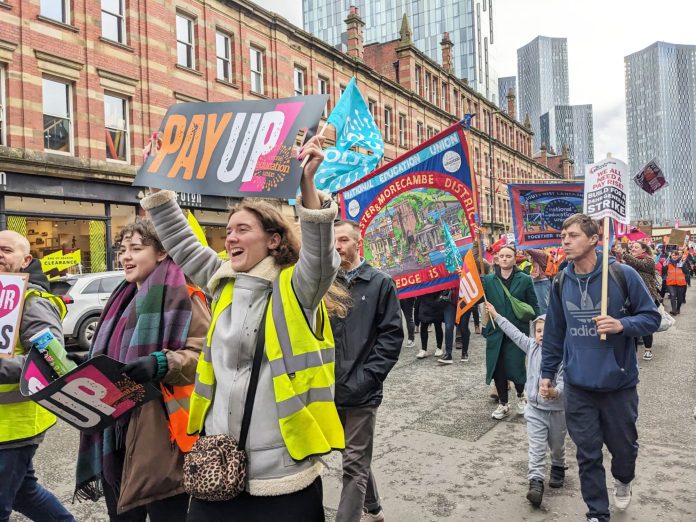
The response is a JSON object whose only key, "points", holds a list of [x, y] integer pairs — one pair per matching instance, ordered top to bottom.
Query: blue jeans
{"points": [[542, 289], [450, 313], [595, 419], [20, 490]]}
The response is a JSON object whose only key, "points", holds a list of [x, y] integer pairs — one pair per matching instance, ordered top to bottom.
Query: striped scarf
{"points": [[135, 322]]}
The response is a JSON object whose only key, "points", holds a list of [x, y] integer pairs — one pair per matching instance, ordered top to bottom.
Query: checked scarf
{"points": [[135, 322]]}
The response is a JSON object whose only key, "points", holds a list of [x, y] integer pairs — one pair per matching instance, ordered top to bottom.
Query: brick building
{"points": [[84, 83]]}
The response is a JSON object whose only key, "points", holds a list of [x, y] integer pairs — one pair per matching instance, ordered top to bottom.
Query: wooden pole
{"points": [[606, 248]]}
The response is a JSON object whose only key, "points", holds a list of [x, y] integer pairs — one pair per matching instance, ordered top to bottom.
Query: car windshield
{"points": [[62, 286]]}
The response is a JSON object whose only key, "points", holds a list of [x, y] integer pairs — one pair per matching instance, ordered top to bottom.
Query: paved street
{"points": [[439, 456]]}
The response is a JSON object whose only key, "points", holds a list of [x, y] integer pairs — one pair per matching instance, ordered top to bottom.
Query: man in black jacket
{"points": [[368, 342]]}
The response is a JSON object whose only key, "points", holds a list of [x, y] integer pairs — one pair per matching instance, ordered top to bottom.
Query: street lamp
{"points": [[491, 200]]}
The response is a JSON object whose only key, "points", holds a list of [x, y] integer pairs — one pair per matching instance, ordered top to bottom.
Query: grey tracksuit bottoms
{"points": [[545, 428]]}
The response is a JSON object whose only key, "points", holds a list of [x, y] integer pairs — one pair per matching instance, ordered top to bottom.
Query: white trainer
{"points": [[410, 343], [438, 352], [422, 354], [521, 404], [502, 411], [622, 495]]}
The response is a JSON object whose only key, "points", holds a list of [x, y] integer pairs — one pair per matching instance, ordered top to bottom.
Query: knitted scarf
{"points": [[135, 322]]}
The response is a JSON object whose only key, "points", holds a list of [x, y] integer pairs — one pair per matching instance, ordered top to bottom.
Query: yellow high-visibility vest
{"points": [[303, 372], [21, 418]]}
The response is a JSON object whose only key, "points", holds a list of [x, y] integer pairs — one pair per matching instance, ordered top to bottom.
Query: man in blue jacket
{"points": [[601, 399]]}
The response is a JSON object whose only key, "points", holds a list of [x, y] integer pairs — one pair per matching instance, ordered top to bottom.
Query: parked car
{"points": [[85, 296]]}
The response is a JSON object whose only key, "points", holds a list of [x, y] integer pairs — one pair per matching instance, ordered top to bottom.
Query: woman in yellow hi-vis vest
{"points": [[294, 418]]}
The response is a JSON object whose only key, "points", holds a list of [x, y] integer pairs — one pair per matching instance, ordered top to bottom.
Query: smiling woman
{"points": [[270, 278]]}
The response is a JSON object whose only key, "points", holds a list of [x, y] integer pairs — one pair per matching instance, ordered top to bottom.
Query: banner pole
{"points": [[321, 133], [606, 248]]}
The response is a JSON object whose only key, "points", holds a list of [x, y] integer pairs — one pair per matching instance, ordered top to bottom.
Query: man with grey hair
{"points": [[23, 422]]}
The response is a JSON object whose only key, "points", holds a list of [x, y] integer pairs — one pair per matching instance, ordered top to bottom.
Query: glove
{"points": [[142, 370]]}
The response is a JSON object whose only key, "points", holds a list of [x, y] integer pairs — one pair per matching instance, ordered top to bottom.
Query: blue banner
{"points": [[355, 127], [401, 209], [453, 257]]}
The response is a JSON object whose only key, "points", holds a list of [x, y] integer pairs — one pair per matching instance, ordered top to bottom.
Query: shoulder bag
{"points": [[522, 310], [216, 467]]}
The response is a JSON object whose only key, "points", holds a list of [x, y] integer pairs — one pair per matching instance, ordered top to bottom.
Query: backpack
{"points": [[615, 272]]}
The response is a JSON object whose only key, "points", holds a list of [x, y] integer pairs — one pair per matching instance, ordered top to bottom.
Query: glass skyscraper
{"points": [[468, 22], [542, 80], [504, 85], [570, 125], [661, 125]]}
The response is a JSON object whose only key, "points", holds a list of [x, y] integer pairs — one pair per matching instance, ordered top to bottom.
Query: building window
{"points": [[57, 10], [113, 20], [184, 42], [223, 56], [256, 66], [418, 80], [299, 81], [428, 81], [323, 88], [341, 89], [435, 94], [455, 95], [445, 96], [371, 106], [57, 116], [116, 124], [387, 125], [402, 130], [430, 131], [419, 132], [3, 137]]}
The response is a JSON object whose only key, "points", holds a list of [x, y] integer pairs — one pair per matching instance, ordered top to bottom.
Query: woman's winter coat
{"points": [[645, 266], [522, 288], [430, 307], [271, 469]]}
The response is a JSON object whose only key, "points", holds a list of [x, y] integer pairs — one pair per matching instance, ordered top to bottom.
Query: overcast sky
{"points": [[599, 32]]}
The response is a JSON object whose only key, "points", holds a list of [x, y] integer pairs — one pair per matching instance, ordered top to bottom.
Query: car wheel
{"points": [[86, 332]]}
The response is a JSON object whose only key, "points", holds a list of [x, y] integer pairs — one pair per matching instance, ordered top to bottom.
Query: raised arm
{"points": [[197, 262]]}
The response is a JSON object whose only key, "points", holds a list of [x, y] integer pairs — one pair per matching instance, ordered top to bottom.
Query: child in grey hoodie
{"points": [[545, 418]]}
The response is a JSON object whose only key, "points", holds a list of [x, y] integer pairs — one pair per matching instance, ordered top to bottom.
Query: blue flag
{"points": [[466, 120], [355, 127], [453, 258]]}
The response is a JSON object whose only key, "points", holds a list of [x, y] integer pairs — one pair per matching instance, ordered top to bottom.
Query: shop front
{"points": [[72, 225]]}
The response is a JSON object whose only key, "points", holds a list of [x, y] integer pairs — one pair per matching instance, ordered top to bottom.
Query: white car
{"points": [[85, 296]]}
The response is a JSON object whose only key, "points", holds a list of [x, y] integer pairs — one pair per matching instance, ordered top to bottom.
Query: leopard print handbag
{"points": [[215, 468]]}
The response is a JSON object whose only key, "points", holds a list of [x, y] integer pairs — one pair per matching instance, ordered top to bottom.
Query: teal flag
{"points": [[355, 128], [453, 258]]}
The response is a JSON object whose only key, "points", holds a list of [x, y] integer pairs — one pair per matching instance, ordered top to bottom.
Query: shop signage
{"points": [[244, 148], [606, 190], [187, 199], [60, 260], [12, 288], [89, 397]]}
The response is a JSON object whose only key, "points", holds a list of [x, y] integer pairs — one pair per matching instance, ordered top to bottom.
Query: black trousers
{"points": [[407, 309], [439, 335], [501, 380], [305, 505], [170, 509]]}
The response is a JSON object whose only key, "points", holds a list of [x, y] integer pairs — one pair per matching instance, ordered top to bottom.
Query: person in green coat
{"points": [[504, 360]]}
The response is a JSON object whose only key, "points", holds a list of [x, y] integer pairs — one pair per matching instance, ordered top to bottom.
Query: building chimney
{"points": [[354, 26], [446, 46], [511, 104], [543, 157], [566, 162]]}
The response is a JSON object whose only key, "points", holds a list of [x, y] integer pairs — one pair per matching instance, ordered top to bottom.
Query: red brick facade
{"points": [[144, 71]]}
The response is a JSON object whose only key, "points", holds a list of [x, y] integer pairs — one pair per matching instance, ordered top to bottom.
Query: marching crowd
{"points": [[282, 353]]}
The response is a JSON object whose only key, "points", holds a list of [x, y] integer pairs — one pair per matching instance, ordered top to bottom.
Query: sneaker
{"points": [[410, 343], [438, 352], [422, 354], [647, 355], [465, 357], [445, 359], [521, 404], [502, 411], [557, 476], [536, 492], [622, 495], [372, 517], [593, 519]]}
